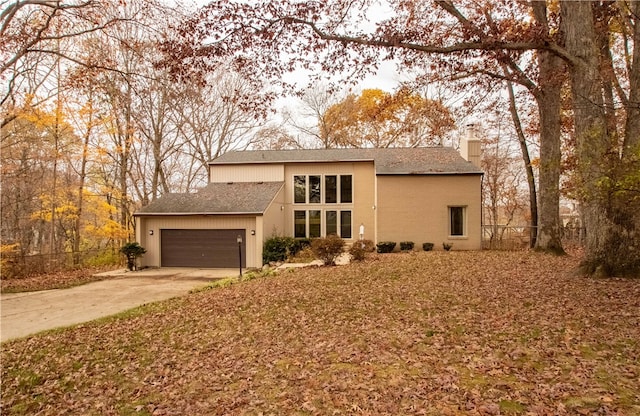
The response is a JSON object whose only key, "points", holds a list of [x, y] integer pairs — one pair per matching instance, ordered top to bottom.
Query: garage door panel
{"points": [[201, 248]]}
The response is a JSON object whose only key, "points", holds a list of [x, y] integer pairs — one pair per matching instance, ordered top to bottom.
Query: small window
{"points": [[299, 189], [330, 189], [346, 189], [456, 221], [332, 222], [300, 224], [314, 224], [345, 224]]}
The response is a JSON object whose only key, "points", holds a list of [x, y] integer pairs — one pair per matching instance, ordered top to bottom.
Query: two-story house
{"points": [[422, 195]]}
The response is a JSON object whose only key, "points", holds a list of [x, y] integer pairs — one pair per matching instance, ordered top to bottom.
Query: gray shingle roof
{"points": [[392, 161], [217, 198]]}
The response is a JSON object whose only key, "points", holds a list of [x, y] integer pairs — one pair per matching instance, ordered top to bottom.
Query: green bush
{"points": [[299, 244], [406, 245], [386, 246], [427, 246], [447, 246], [328, 248], [277, 249]]}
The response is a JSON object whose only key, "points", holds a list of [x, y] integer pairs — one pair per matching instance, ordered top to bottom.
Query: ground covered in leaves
{"points": [[58, 280], [430, 333]]}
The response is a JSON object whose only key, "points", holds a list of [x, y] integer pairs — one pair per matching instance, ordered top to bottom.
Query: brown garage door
{"points": [[201, 248]]}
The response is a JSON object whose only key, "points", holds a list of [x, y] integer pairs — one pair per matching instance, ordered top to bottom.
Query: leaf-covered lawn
{"points": [[57, 280], [430, 333]]}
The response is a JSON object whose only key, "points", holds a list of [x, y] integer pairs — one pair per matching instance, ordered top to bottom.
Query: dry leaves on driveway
{"points": [[419, 333]]}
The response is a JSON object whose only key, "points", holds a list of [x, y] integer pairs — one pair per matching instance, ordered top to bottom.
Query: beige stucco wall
{"points": [[415, 208], [362, 210], [157, 223]]}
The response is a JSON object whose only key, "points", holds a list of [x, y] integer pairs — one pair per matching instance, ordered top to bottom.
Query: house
{"points": [[429, 194]]}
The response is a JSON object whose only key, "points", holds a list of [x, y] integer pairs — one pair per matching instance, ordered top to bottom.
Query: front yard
{"points": [[420, 333]]}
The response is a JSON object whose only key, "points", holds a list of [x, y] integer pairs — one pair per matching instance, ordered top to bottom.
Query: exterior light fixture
{"points": [[150, 232]]}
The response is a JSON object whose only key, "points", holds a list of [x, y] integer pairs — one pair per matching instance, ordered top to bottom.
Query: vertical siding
{"points": [[471, 150], [246, 173], [415, 208], [152, 243]]}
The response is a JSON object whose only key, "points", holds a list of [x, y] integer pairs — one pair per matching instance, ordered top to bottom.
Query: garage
{"points": [[201, 248]]}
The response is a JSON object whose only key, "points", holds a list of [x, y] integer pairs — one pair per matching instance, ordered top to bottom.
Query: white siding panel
{"points": [[246, 173]]}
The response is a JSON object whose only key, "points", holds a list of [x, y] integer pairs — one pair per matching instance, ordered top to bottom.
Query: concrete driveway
{"points": [[31, 312]]}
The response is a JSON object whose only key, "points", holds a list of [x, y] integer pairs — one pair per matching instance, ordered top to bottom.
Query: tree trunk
{"points": [[547, 95], [548, 98], [632, 127], [531, 180], [77, 234], [612, 239]]}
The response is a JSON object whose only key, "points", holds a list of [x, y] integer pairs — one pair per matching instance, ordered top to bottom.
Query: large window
{"points": [[299, 189], [307, 189], [314, 189], [330, 189], [346, 189], [456, 221], [332, 222], [300, 224], [309, 224], [314, 224], [345, 224]]}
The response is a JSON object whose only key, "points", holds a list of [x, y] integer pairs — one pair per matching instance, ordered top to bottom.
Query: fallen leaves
{"points": [[57, 280], [478, 333]]}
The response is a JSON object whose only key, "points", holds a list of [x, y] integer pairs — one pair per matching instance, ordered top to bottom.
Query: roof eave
{"points": [[271, 162], [427, 173], [174, 214]]}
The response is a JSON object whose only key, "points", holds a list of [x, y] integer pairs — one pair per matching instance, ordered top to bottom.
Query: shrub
{"points": [[298, 245], [406, 245], [369, 246], [386, 246], [427, 246], [447, 246], [360, 248], [277, 249], [328, 249], [132, 251], [357, 251]]}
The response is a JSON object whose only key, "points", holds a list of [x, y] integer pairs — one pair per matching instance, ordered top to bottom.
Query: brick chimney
{"points": [[470, 145]]}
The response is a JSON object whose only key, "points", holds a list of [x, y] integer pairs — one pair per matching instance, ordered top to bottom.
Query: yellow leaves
{"points": [[109, 229]]}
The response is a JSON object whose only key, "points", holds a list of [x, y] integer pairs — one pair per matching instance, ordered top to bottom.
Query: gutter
{"points": [[175, 214]]}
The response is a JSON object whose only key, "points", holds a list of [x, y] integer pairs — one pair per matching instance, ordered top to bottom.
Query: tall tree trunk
{"points": [[547, 95], [632, 127], [531, 180], [77, 234], [612, 238]]}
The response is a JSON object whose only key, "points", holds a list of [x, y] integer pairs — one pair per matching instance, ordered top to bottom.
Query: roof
{"points": [[390, 161], [217, 198]]}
